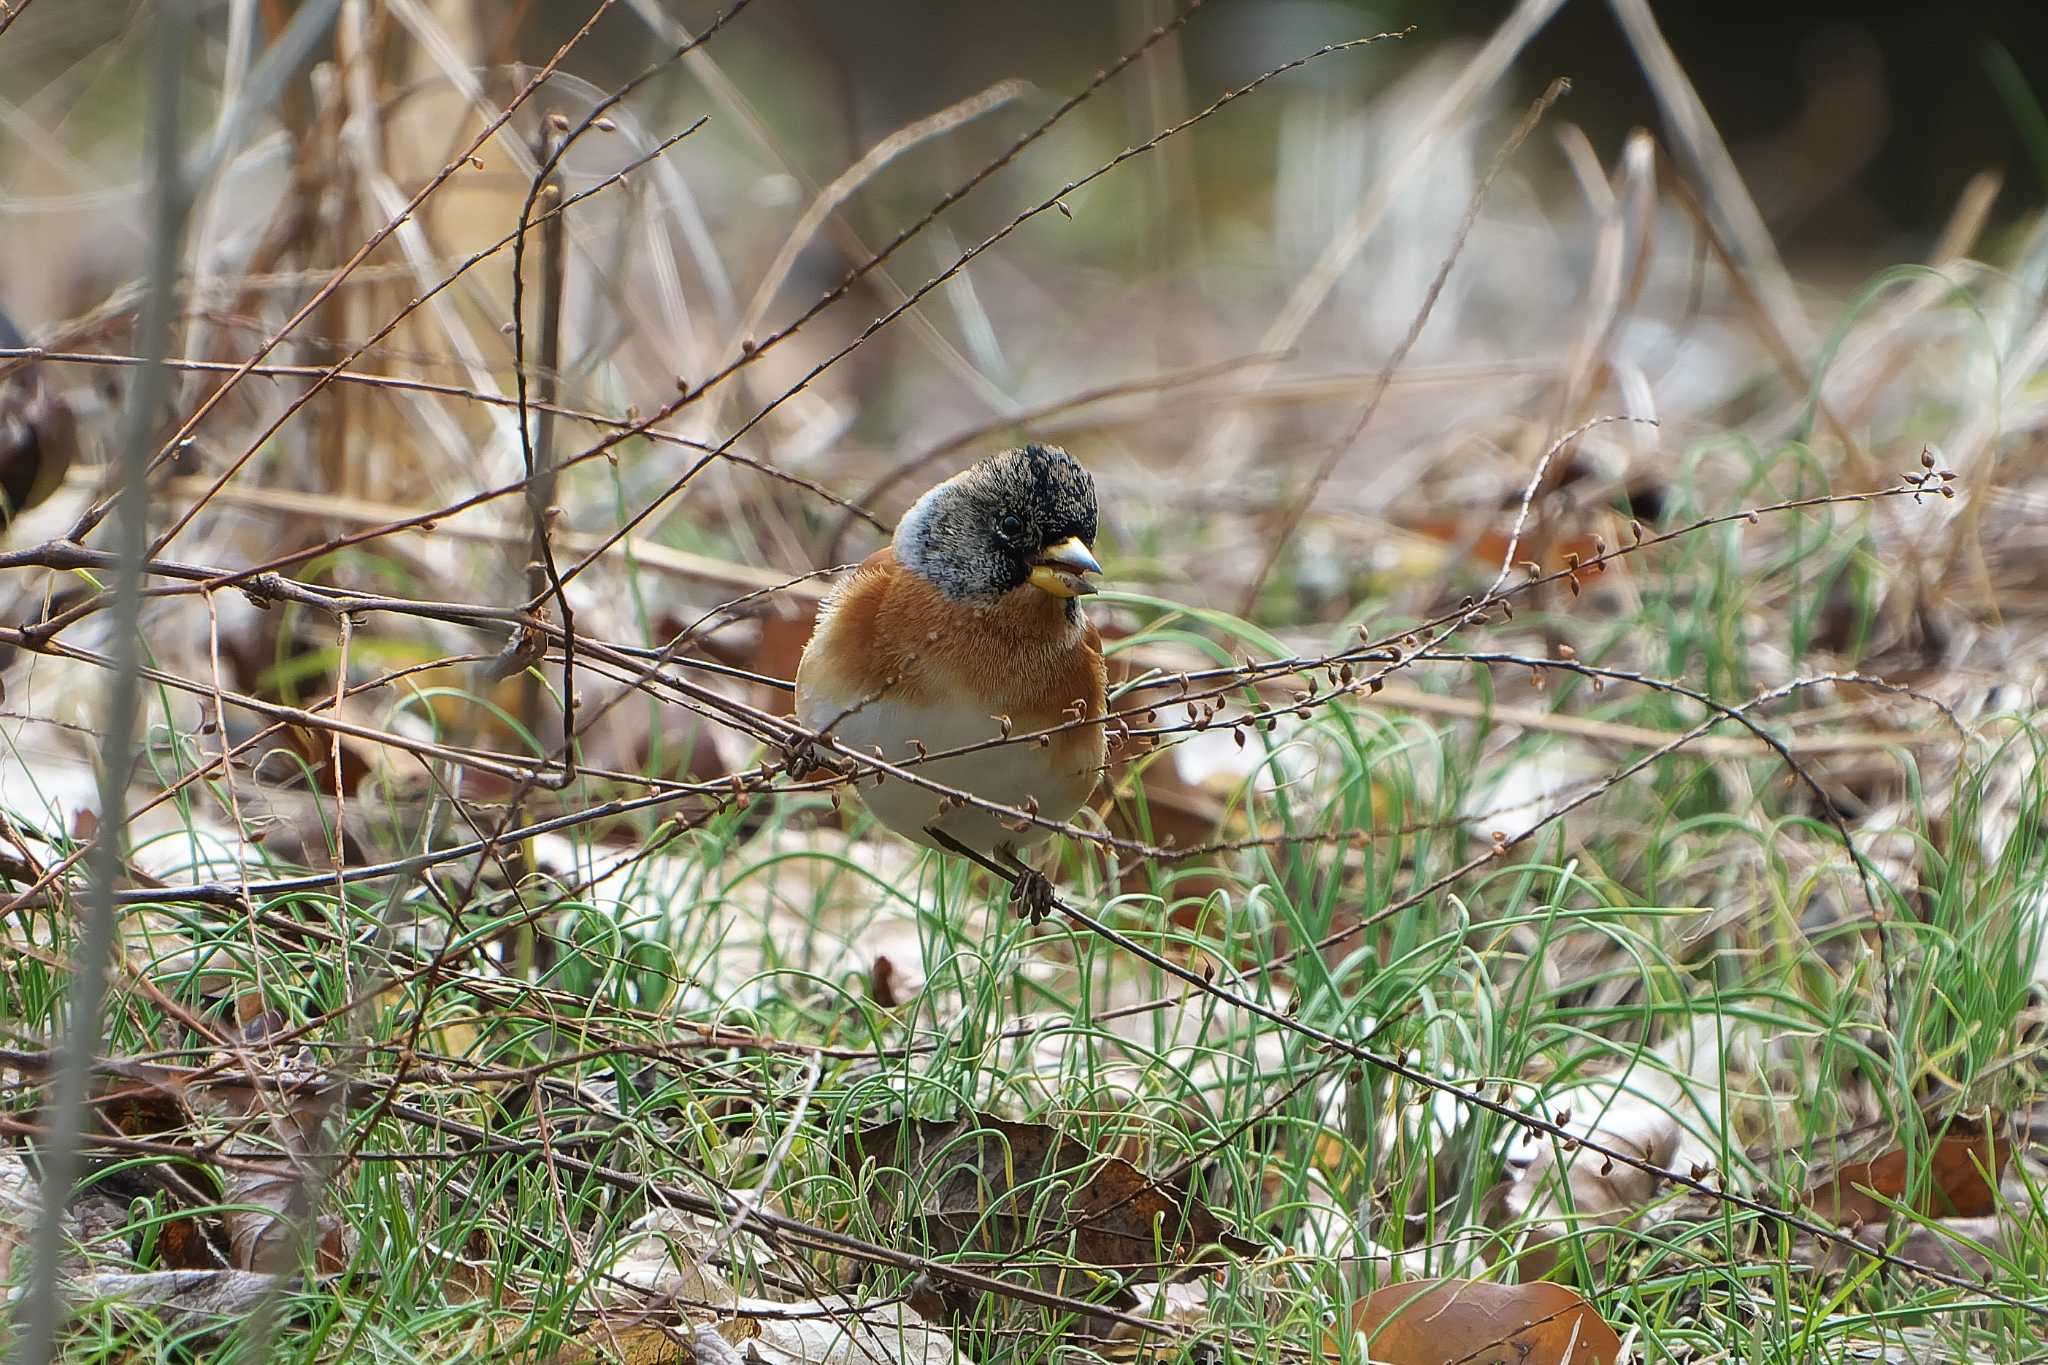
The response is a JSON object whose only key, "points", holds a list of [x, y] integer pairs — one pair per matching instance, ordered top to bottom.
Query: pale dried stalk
{"points": [[42, 1309]]}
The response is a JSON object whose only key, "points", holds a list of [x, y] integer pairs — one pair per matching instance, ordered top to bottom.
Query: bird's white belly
{"points": [[1009, 774]]}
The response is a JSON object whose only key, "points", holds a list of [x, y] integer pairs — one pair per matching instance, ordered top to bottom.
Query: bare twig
{"points": [[966, 258], [537, 444]]}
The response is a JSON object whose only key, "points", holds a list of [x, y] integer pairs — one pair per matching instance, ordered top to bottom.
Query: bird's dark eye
{"points": [[1010, 527]]}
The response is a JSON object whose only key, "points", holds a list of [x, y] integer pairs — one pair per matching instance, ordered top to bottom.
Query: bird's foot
{"points": [[803, 760], [1031, 892], [1031, 895]]}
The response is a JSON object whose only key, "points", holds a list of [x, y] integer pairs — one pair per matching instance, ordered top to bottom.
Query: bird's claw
{"points": [[803, 760], [1031, 894]]}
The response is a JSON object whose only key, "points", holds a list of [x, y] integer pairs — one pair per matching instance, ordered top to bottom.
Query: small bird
{"points": [[38, 434], [966, 628]]}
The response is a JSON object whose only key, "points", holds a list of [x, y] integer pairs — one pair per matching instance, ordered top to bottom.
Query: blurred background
{"points": [[1856, 125]]}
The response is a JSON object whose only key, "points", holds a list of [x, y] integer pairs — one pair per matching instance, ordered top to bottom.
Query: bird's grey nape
{"points": [[942, 539]]}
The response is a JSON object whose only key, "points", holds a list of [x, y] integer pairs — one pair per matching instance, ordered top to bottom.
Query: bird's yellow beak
{"points": [[1058, 570]]}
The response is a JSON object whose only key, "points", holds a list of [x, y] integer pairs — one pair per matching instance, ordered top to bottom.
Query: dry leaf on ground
{"points": [[1961, 1180], [992, 1185], [268, 1211], [663, 1254], [1473, 1322], [643, 1343]]}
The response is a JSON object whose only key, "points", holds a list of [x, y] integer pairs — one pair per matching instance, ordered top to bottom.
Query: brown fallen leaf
{"points": [[140, 1108], [145, 1108], [1964, 1165], [992, 1185], [268, 1210], [263, 1226], [190, 1243], [1474, 1322], [827, 1331], [636, 1344]]}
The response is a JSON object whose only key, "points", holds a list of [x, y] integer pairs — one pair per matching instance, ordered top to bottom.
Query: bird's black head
{"points": [[1024, 516]]}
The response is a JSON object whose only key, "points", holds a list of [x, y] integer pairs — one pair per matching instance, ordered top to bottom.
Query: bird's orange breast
{"points": [[889, 633]]}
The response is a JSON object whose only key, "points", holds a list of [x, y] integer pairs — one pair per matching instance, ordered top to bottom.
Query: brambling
{"points": [[38, 434], [966, 628]]}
